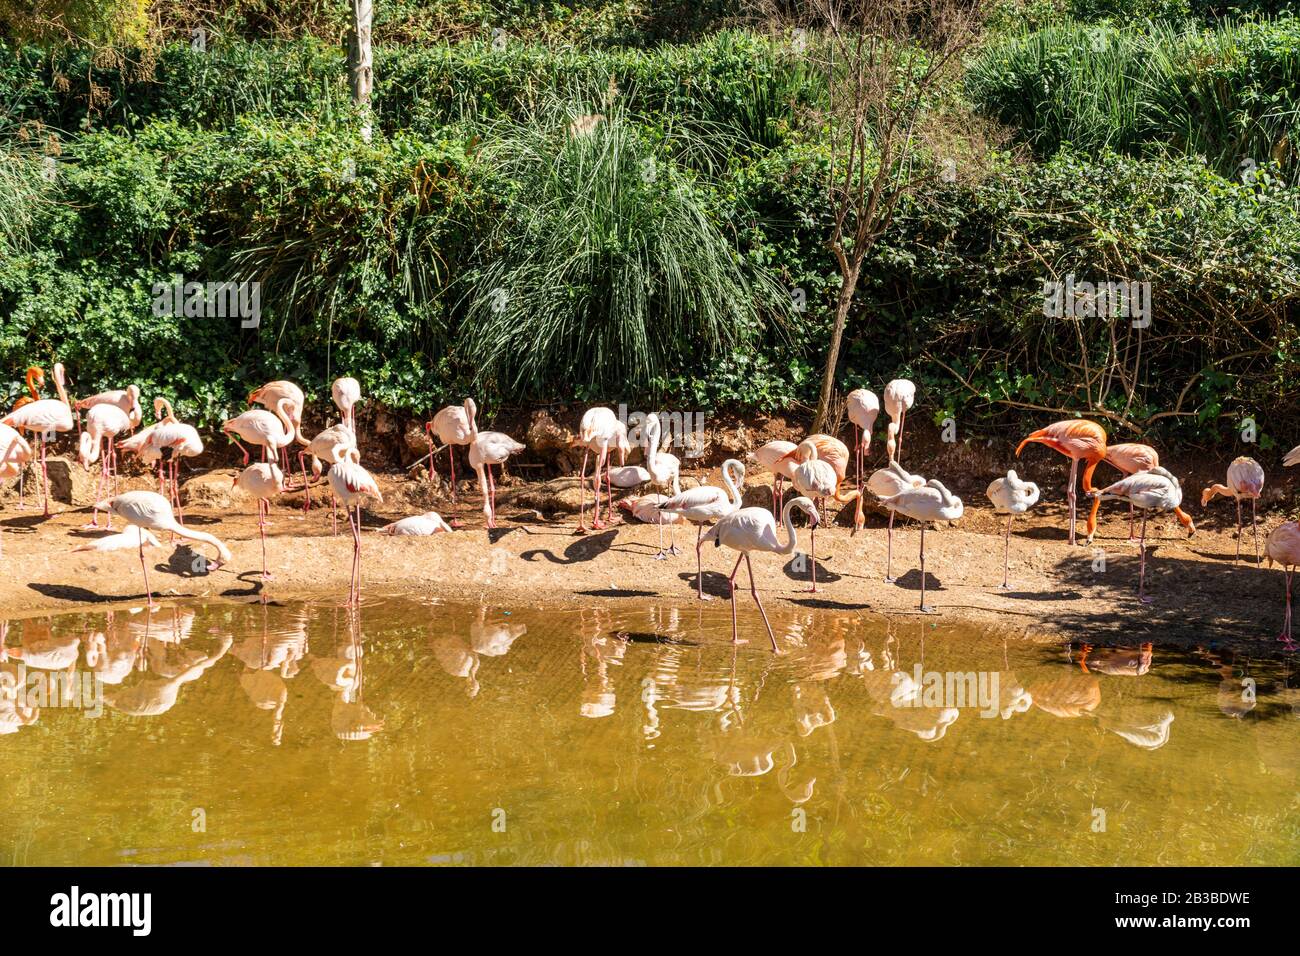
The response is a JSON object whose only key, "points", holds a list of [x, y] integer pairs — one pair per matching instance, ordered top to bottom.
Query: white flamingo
{"points": [[346, 393], [269, 395], [900, 395], [863, 406], [45, 419], [104, 422], [453, 425], [274, 430], [599, 431], [329, 445], [488, 449], [15, 453], [775, 457], [665, 469], [818, 479], [263, 480], [1245, 480], [884, 483], [352, 485], [1154, 490], [1010, 496], [931, 502], [706, 504], [646, 508], [152, 512], [428, 523], [754, 529], [130, 538]]}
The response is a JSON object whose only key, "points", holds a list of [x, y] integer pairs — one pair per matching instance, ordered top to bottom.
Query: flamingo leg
{"points": [[902, 419], [451, 457], [601, 464], [1074, 472], [45, 479], [306, 486], [609, 487], [582, 491], [492, 501], [1132, 518], [1254, 527], [261, 531], [889, 551], [1006, 555], [661, 556], [1238, 557], [699, 564], [1142, 567], [731, 591], [754, 591], [148, 592], [354, 595], [925, 609], [1285, 636]]}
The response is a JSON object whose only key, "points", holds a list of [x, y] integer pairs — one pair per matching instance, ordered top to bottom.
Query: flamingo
{"points": [[35, 382], [346, 393], [900, 395], [269, 396], [127, 399], [863, 407], [45, 418], [104, 422], [452, 425], [274, 430], [599, 431], [173, 440], [1078, 440], [328, 445], [488, 449], [15, 453], [835, 453], [775, 457], [1130, 458], [665, 469], [627, 476], [818, 479], [263, 480], [1245, 480], [885, 483], [352, 485], [1155, 490], [1010, 497], [930, 502], [704, 504], [646, 508], [150, 511], [426, 524], [754, 529], [1283, 546]]}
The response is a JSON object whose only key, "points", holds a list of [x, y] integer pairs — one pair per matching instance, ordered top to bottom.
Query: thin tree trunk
{"points": [[361, 74], [848, 284]]}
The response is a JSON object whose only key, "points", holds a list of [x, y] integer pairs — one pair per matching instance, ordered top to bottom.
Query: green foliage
{"points": [[1231, 95]]}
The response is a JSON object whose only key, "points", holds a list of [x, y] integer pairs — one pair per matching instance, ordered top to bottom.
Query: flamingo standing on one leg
{"points": [[35, 383], [346, 393], [900, 395], [269, 396], [863, 407], [45, 418], [104, 422], [453, 425], [599, 431], [173, 440], [1078, 440], [328, 445], [488, 449], [775, 457], [665, 469], [263, 480], [818, 480], [1245, 480], [885, 483], [352, 485], [1155, 490], [1010, 496], [932, 502], [705, 504], [646, 508], [150, 511], [754, 529], [1283, 546]]}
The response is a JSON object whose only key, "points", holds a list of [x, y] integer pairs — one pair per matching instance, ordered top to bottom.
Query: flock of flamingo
{"points": [[817, 468]]}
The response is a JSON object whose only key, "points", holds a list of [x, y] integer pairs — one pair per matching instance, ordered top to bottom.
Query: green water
{"points": [[416, 733]]}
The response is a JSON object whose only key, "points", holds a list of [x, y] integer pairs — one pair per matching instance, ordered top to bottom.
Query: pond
{"points": [[433, 733]]}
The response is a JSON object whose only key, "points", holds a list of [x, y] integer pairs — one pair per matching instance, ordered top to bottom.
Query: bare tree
{"points": [[884, 62], [361, 73]]}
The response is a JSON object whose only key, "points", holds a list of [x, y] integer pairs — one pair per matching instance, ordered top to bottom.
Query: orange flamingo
{"points": [[35, 382], [1078, 440], [1130, 458]]}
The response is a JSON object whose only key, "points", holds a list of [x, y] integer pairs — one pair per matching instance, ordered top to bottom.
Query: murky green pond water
{"points": [[430, 733]]}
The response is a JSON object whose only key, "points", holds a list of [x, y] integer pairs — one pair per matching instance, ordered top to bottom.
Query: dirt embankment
{"points": [[1086, 592]]}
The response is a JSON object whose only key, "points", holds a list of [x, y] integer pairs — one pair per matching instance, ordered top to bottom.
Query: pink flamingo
{"points": [[346, 393], [270, 395], [900, 395], [127, 399], [863, 407], [45, 418], [104, 422], [453, 425], [274, 430], [600, 430], [172, 440], [1078, 440], [329, 445], [488, 449], [775, 457], [263, 480], [818, 480], [1245, 480], [352, 485], [1155, 490], [705, 504], [150, 511], [754, 529], [1283, 546]]}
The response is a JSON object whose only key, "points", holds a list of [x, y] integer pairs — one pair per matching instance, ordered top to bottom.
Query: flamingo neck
{"points": [[58, 385], [732, 490], [791, 536]]}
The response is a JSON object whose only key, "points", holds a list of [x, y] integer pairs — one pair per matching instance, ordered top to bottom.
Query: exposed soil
{"points": [[1200, 596]]}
